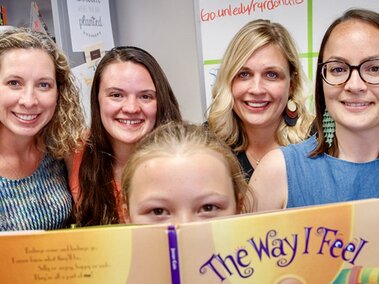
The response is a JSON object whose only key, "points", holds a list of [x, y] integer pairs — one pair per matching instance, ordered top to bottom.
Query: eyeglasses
{"points": [[336, 73]]}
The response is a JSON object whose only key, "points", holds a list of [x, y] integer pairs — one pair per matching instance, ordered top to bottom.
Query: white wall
{"points": [[166, 29]]}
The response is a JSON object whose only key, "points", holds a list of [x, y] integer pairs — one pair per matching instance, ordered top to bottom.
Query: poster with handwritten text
{"points": [[306, 20], [90, 24]]}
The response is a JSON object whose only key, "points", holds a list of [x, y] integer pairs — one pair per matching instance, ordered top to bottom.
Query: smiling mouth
{"points": [[358, 104], [257, 105], [26, 117], [130, 121]]}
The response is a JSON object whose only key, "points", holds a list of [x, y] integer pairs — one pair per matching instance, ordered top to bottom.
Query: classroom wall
{"points": [[306, 21], [166, 29]]}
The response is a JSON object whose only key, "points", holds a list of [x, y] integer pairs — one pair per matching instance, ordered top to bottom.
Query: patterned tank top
{"points": [[40, 201]]}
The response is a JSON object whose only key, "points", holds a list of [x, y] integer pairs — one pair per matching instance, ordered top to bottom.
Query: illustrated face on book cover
{"points": [[181, 188]]}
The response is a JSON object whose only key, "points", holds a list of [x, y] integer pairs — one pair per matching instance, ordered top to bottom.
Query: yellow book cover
{"points": [[335, 243], [107, 254]]}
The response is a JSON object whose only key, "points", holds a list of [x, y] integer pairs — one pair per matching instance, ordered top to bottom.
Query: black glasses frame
{"points": [[351, 68]]}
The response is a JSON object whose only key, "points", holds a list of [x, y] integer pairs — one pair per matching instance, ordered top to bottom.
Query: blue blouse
{"points": [[326, 179]]}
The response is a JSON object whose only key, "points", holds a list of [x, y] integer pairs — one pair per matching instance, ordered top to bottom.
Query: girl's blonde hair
{"points": [[173, 138]]}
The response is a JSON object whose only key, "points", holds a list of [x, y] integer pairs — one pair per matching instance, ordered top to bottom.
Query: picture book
{"points": [[335, 243]]}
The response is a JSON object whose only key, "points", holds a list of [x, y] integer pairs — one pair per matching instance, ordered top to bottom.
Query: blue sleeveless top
{"points": [[326, 179], [41, 201]]}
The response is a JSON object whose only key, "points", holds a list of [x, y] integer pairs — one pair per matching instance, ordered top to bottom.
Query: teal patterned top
{"points": [[41, 201]]}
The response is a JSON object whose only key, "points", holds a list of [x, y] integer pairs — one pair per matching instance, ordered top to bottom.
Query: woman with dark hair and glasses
{"points": [[130, 97], [339, 163]]}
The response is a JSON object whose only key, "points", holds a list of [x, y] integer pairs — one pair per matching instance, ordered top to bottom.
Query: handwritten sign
{"points": [[306, 20], [90, 23]]}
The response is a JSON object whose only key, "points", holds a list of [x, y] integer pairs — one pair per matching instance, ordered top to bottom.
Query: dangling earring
{"points": [[290, 114], [328, 127]]}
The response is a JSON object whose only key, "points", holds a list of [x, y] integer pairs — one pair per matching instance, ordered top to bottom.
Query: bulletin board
{"points": [[307, 20]]}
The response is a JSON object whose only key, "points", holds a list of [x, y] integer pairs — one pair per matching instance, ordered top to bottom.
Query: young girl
{"points": [[183, 173]]}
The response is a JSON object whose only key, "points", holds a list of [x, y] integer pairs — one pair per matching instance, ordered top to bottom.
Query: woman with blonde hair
{"points": [[258, 100], [41, 122]]}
